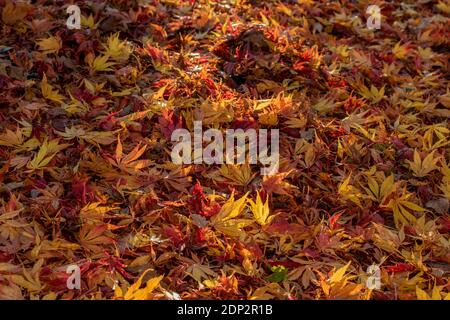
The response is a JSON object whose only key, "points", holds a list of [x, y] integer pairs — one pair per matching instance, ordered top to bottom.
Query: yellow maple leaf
{"points": [[444, 7], [89, 22], [50, 45], [116, 49], [401, 51], [99, 63], [49, 93], [373, 94], [216, 112], [268, 118], [94, 137], [11, 138], [45, 154], [130, 162], [422, 168], [238, 174], [445, 188], [349, 192], [377, 193], [401, 208], [231, 209], [260, 210], [224, 221], [338, 275], [30, 279], [339, 286], [267, 292], [135, 293], [436, 294]]}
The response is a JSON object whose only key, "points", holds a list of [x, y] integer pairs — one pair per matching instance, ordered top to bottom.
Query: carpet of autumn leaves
{"points": [[86, 176]]}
